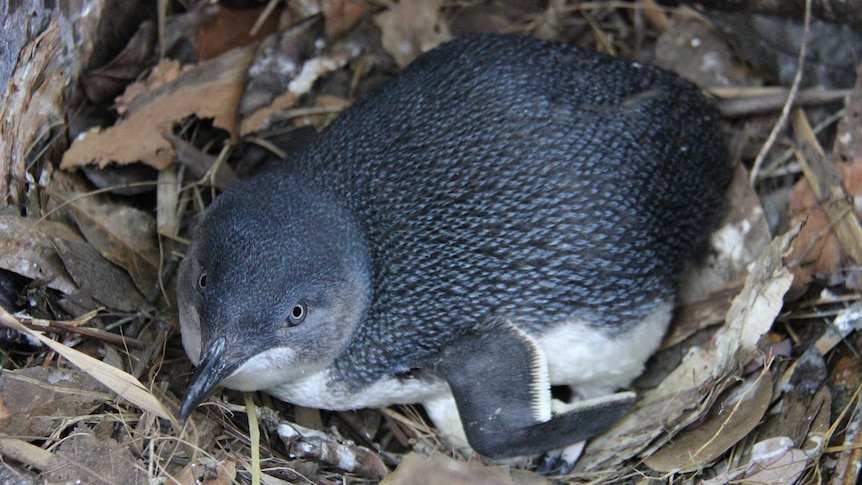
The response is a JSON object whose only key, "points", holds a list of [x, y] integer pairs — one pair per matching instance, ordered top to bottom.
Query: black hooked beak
{"points": [[212, 369]]}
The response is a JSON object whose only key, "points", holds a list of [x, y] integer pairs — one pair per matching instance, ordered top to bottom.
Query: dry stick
{"points": [[785, 112], [826, 182], [56, 326]]}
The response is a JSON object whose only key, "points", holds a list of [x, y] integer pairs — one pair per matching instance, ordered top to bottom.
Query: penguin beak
{"points": [[212, 369]]}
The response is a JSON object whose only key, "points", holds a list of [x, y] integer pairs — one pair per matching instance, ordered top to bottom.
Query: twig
{"points": [[785, 112], [56, 326]]}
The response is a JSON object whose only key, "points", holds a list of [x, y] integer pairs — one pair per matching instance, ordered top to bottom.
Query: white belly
{"points": [[595, 363]]}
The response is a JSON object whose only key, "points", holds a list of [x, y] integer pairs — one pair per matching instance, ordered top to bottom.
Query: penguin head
{"points": [[273, 287]]}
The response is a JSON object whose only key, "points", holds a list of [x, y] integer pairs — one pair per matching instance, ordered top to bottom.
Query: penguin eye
{"points": [[202, 281], [297, 314]]}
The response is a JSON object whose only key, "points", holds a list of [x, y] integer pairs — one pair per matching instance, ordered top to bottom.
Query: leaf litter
{"points": [[757, 381]]}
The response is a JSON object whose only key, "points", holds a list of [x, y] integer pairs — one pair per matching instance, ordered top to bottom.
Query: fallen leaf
{"points": [[341, 15], [230, 28], [410, 28], [284, 68], [164, 72], [103, 84], [210, 90], [122, 234], [833, 236], [740, 238], [27, 248], [106, 283], [708, 288], [753, 311], [124, 384], [803, 396], [34, 401], [678, 401], [727, 423], [96, 461], [772, 461], [775, 461], [440, 470], [207, 471]]}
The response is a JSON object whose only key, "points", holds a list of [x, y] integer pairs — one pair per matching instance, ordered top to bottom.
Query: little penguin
{"points": [[504, 215]]}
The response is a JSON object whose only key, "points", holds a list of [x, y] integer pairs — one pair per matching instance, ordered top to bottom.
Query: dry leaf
{"points": [[341, 15], [230, 28], [410, 28], [283, 69], [164, 72], [103, 84], [210, 90], [122, 234], [27, 248], [817, 251], [106, 283], [709, 287], [753, 311], [115, 379], [802, 398], [35, 400], [677, 401], [727, 422], [95, 461], [772, 461], [775, 461], [440, 470], [207, 472]]}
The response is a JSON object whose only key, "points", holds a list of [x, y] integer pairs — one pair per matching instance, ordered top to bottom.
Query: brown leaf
{"points": [[341, 15], [231, 28], [410, 28], [164, 72], [103, 84], [210, 90], [199, 163], [122, 234], [27, 248], [817, 250], [107, 284], [123, 383], [801, 400], [34, 401], [677, 402], [728, 422], [96, 461], [775, 461], [440, 470], [207, 472]]}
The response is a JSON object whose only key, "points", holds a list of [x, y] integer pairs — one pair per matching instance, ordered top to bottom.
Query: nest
{"points": [[113, 145]]}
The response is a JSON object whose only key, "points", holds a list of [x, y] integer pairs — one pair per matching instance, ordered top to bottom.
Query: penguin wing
{"points": [[499, 378]]}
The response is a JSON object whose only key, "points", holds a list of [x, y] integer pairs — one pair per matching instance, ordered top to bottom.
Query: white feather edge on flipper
{"points": [[541, 382], [560, 407]]}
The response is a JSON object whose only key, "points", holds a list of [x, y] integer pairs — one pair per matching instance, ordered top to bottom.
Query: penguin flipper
{"points": [[499, 378]]}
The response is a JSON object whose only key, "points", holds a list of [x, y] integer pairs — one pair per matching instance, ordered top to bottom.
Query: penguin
{"points": [[504, 215]]}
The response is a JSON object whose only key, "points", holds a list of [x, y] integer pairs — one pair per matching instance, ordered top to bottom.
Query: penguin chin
{"points": [[269, 368]]}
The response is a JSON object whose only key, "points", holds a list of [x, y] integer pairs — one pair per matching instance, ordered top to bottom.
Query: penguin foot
{"points": [[560, 462]]}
